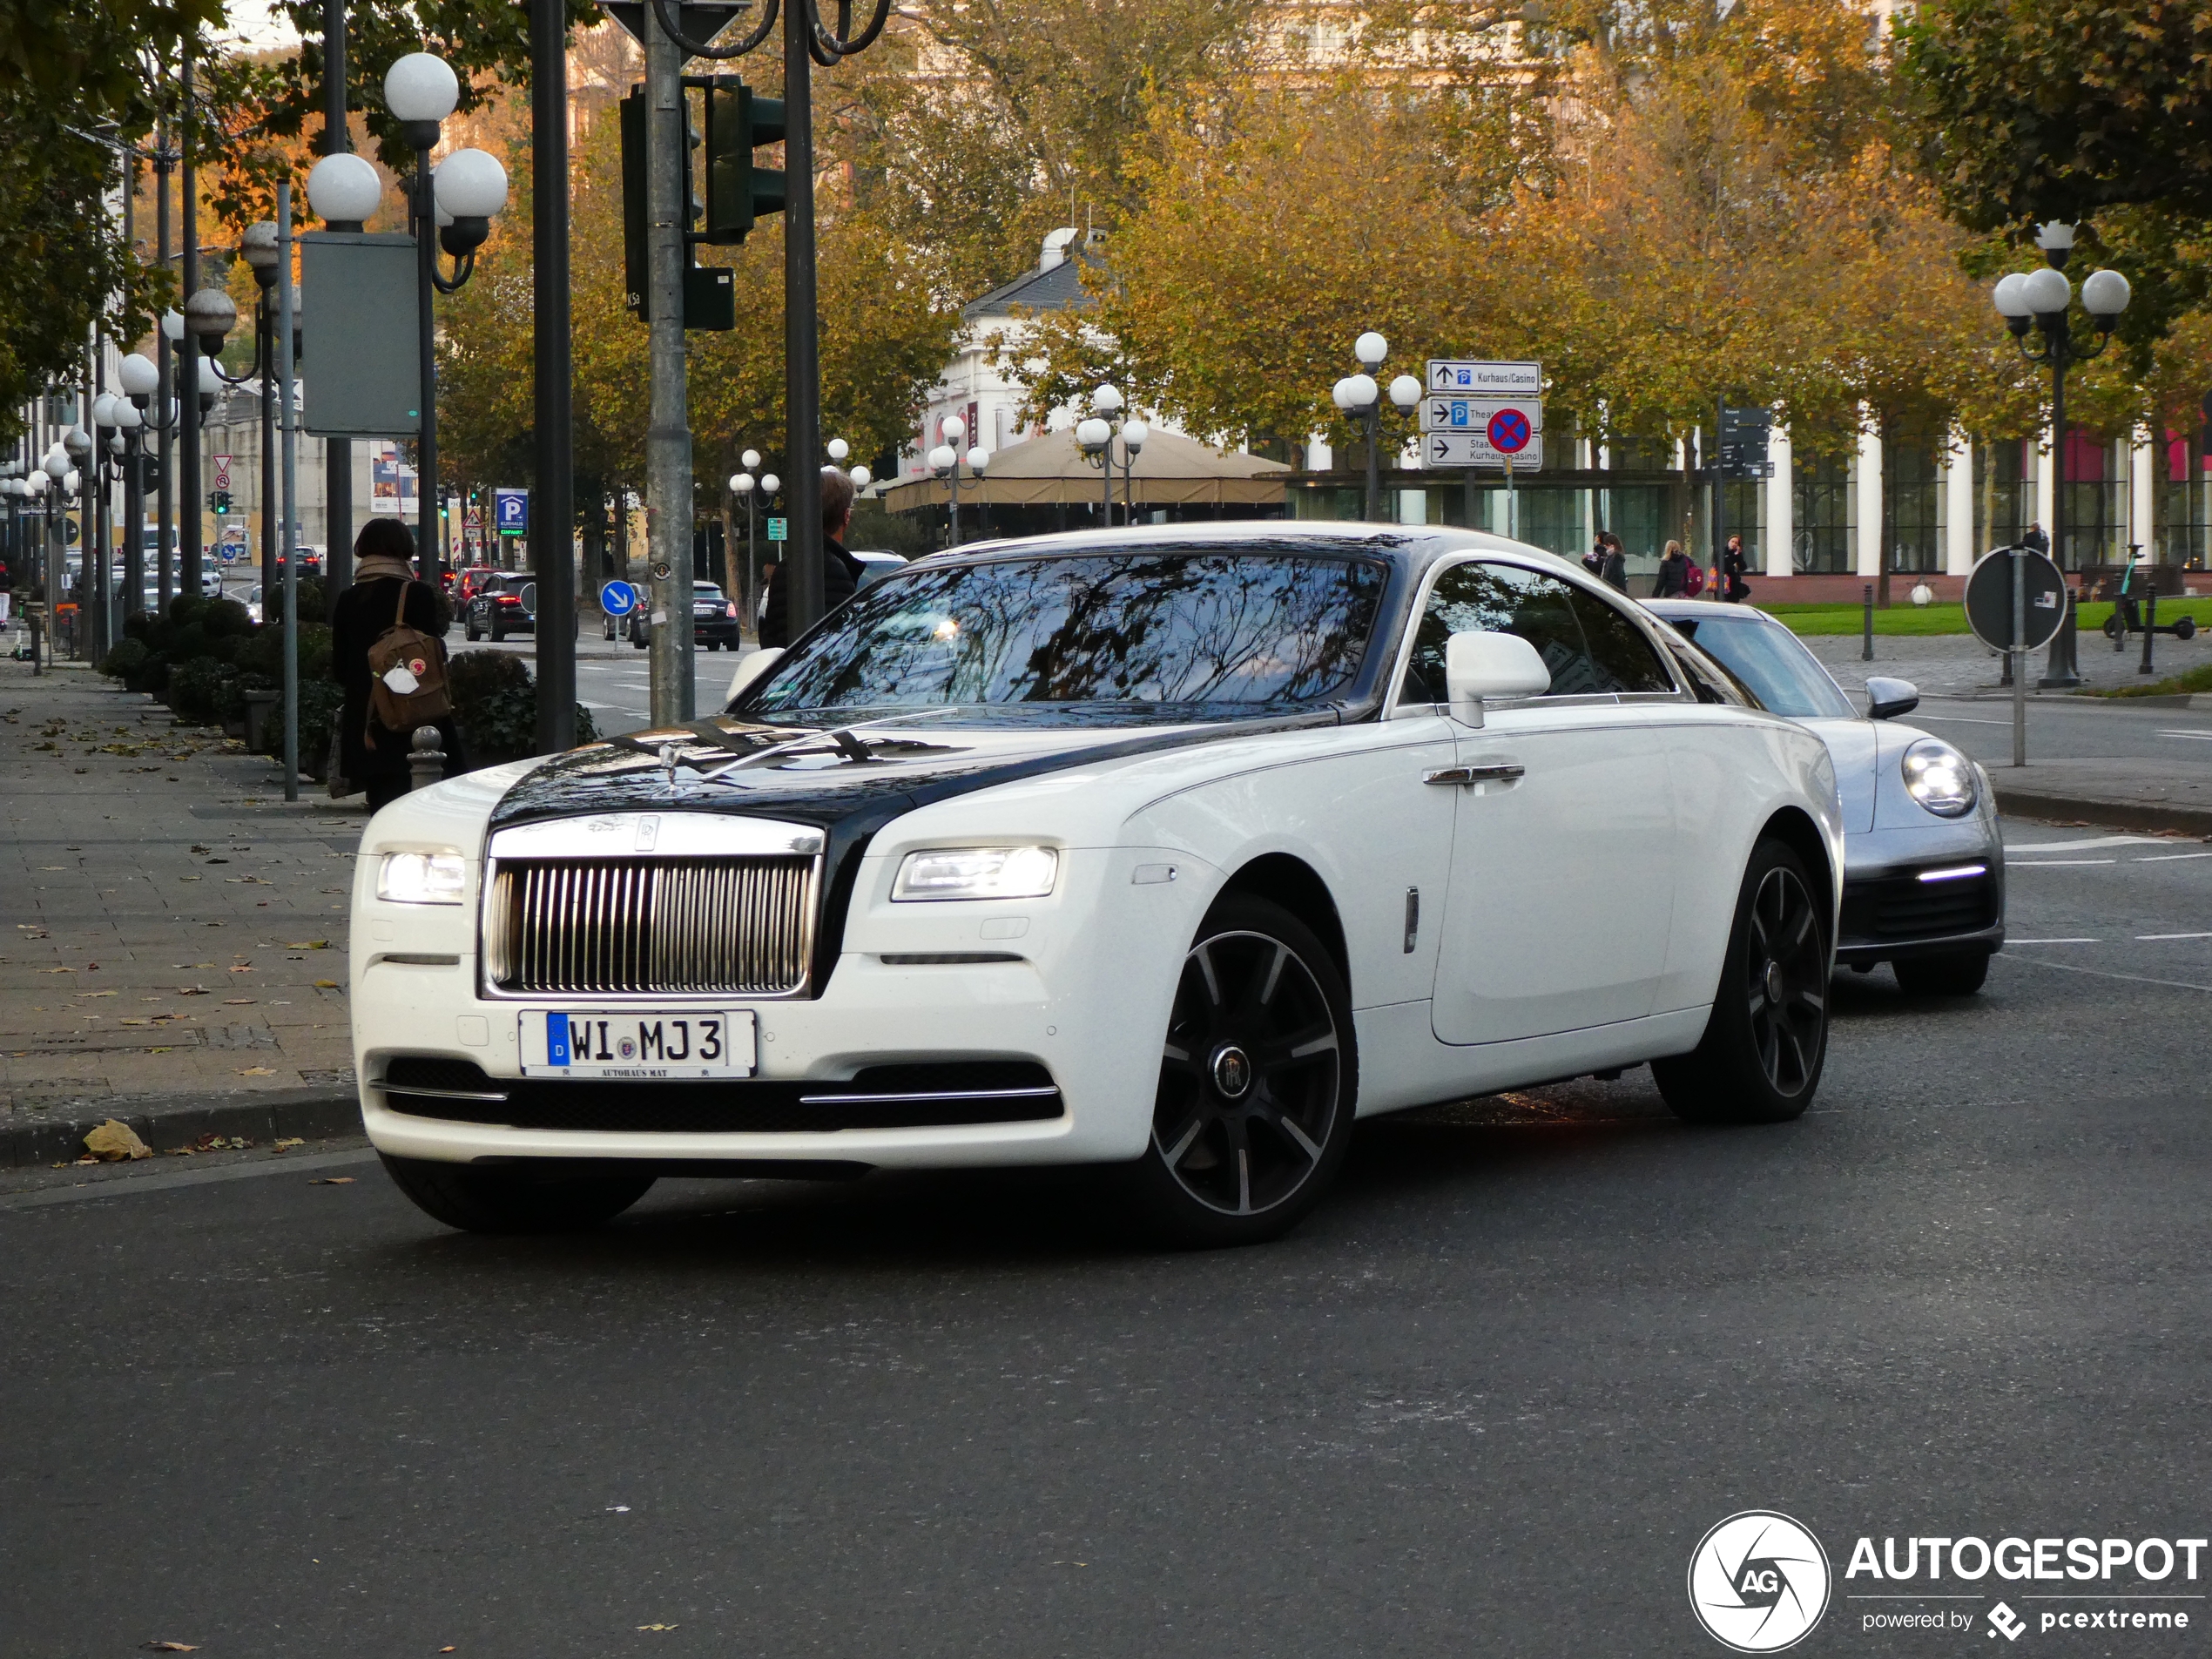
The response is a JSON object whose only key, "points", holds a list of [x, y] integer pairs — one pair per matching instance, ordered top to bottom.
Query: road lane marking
{"points": [[1961, 720], [2201, 737], [2083, 846], [2168, 858], [2014, 863], [2140, 938], [2054, 941], [2106, 972], [127, 1186]]}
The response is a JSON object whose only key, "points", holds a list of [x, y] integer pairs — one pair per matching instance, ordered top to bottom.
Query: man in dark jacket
{"points": [[840, 571], [374, 756]]}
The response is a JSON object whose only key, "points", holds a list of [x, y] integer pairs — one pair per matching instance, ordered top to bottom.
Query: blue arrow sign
{"points": [[617, 598]]}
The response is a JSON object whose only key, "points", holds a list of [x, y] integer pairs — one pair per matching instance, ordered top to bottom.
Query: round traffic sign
{"points": [[1509, 432], [617, 598], [1989, 598]]}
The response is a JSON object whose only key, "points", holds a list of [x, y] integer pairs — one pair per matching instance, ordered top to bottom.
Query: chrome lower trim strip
{"points": [[924, 1098]]}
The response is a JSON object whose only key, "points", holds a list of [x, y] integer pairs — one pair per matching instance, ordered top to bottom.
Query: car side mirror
{"points": [[1479, 666], [752, 669], [1887, 699]]}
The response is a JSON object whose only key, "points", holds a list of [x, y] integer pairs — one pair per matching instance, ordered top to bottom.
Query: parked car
{"points": [[874, 565], [470, 581], [506, 604], [714, 620], [1171, 847], [1924, 865]]}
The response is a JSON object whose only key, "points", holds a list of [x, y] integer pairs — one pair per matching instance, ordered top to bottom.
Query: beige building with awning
{"points": [[1170, 471]]}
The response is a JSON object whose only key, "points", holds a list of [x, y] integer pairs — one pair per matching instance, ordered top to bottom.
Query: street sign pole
{"points": [[1513, 518], [2019, 657]]}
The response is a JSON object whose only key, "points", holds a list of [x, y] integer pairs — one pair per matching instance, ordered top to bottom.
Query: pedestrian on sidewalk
{"points": [[2035, 538], [1613, 570], [840, 571], [1674, 573], [1735, 589], [385, 594]]}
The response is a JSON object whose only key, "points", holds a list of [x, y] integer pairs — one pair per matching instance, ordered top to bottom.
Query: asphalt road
{"points": [[1485, 1402]]}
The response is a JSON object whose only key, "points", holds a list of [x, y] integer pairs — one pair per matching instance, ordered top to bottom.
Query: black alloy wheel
{"points": [[1766, 1039], [1257, 1077]]}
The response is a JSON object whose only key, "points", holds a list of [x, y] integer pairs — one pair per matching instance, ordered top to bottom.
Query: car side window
{"points": [[1504, 599], [1624, 658]]}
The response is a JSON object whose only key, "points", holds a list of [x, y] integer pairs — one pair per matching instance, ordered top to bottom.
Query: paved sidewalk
{"points": [[1960, 665], [176, 948]]}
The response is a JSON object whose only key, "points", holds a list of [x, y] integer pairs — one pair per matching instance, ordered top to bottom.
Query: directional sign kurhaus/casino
{"points": [[1483, 378], [1485, 447]]}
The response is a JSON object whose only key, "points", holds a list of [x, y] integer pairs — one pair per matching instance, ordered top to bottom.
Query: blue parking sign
{"points": [[511, 511]]}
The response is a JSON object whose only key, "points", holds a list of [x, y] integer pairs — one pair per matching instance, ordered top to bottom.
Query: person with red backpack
{"points": [[387, 650]]}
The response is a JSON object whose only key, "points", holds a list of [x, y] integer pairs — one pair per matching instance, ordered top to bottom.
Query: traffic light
{"points": [[738, 122], [737, 192], [219, 502]]}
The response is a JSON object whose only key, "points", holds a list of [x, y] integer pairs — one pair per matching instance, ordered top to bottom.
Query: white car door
{"points": [[1561, 896]]}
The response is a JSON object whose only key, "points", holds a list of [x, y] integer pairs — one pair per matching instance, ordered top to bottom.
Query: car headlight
{"points": [[1939, 777], [977, 873], [423, 878]]}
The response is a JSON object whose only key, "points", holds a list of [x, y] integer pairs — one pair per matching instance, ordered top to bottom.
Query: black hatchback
{"points": [[505, 604], [714, 620]]}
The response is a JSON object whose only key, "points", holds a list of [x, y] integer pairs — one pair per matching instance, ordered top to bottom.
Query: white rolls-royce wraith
{"points": [[1175, 849]]}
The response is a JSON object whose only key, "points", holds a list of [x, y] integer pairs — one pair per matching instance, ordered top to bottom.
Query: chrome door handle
{"points": [[1495, 772]]}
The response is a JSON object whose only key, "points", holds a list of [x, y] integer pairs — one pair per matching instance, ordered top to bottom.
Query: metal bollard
{"points": [[2150, 627], [1866, 652], [428, 762]]}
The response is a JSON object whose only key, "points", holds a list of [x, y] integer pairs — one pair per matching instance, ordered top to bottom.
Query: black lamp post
{"points": [[457, 200], [2043, 299]]}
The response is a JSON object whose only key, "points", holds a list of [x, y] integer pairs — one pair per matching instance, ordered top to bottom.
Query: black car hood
{"points": [[854, 778]]}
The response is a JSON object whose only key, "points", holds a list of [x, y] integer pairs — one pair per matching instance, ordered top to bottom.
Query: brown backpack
{"points": [[413, 653]]}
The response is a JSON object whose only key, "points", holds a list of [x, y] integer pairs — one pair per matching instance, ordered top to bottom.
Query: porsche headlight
{"points": [[1939, 777], [976, 872], [423, 878]]}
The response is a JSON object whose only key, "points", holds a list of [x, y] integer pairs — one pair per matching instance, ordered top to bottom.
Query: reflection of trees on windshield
{"points": [[1158, 627]]}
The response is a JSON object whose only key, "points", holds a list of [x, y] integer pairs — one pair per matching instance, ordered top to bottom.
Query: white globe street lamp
{"points": [[344, 190], [1370, 348]]}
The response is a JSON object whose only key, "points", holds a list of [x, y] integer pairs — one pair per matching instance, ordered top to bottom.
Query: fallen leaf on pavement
{"points": [[309, 944], [326, 985], [191, 990], [238, 1001], [257, 1071], [290, 1140], [114, 1141], [332, 1181], [657, 1627], [174, 1647], [446, 1649]]}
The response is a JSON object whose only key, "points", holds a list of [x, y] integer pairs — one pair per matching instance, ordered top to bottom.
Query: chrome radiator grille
{"points": [[650, 924]]}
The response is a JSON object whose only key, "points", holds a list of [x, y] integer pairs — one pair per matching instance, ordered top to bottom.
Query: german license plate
{"points": [[638, 1043]]}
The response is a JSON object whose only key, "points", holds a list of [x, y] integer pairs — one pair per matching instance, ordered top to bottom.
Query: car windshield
{"points": [[705, 590], [1160, 626], [1785, 677]]}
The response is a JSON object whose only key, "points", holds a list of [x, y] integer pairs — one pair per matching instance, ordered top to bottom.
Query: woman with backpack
{"points": [[383, 626]]}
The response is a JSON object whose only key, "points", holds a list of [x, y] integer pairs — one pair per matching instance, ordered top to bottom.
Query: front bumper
{"points": [[1892, 915], [1079, 1004]]}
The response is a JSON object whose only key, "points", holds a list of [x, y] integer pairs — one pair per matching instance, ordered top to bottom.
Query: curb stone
{"points": [[2147, 816], [162, 1122]]}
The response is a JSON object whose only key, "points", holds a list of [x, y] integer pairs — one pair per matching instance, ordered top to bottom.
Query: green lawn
{"points": [[1905, 617]]}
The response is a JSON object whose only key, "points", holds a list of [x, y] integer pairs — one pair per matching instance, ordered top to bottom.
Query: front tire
{"points": [[472, 633], [1954, 974], [1767, 1037], [1258, 1077], [480, 1199]]}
